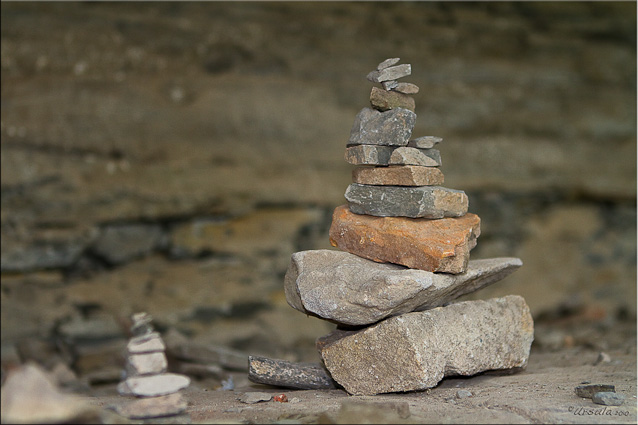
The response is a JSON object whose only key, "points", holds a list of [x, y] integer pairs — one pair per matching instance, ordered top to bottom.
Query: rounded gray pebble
{"points": [[608, 398]]}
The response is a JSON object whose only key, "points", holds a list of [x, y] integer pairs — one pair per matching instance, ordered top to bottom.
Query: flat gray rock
{"points": [[387, 63], [390, 73], [389, 85], [406, 88], [390, 128], [424, 142], [368, 154], [406, 155], [406, 201], [346, 289], [148, 343], [415, 351], [146, 364], [154, 385], [608, 398], [154, 407]]}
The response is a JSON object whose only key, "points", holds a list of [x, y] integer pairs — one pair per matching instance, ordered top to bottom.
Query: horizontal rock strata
{"points": [[401, 175], [406, 201], [433, 245], [349, 290], [416, 350]]}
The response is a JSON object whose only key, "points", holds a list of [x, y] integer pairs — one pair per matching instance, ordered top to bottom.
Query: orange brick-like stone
{"points": [[398, 175], [441, 245]]}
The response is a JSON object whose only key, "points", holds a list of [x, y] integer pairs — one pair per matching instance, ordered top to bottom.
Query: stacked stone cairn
{"points": [[403, 244], [146, 377]]}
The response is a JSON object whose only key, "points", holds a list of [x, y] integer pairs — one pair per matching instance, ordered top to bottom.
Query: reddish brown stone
{"points": [[383, 100], [401, 175], [441, 245]]}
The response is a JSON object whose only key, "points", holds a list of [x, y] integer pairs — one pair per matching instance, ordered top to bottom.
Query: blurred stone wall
{"points": [[170, 157]]}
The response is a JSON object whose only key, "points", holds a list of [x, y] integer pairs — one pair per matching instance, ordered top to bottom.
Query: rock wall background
{"points": [[170, 157]]}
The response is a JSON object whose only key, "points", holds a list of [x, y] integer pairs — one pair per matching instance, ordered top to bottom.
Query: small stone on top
{"points": [[388, 63], [391, 73]]}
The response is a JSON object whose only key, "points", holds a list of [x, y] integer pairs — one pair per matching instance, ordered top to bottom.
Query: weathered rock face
{"points": [[383, 100], [389, 128], [407, 155], [402, 175], [401, 201], [433, 245], [350, 290], [416, 350]]}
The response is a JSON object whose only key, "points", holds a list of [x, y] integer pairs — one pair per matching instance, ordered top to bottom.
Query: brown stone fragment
{"points": [[384, 100], [402, 175], [441, 245], [282, 373]]}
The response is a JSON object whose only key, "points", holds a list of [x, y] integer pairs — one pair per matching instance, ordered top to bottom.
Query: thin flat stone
{"points": [[387, 63], [390, 73], [389, 85], [406, 88], [383, 100], [390, 128], [425, 142], [368, 154], [404, 155], [398, 175], [406, 201], [432, 245], [350, 290], [149, 343], [415, 351], [146, 364], [281, 373], [153, 385], [588, 391], [255, 397], [608, 398], [154, 407]]}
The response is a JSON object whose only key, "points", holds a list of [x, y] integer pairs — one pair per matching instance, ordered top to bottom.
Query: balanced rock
{"points": [[388, 63], [390, 73], [406, 88], [383, 100], [389, 128], [425, 142], [368, 154], [405, 155], [398, 175], [406, 201], [433, 245], [349, 290], [147, 343], [416, 350], [146, 364], [153, 385]]}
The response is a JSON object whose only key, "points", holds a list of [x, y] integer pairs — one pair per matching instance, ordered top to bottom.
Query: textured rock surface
{"points": [[390, 73], [407, 88], [383, 100], [389, 128], [424, 142], [368, 154], [413, 156], [398, 175], [406, 201], [433, 245], [350, 290], [148, 343], [416, 350], [146, 364], [307, 376], [154, 385], [154, 407]]}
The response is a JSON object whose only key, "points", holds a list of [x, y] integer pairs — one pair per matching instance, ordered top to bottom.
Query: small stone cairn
{"points": [[404, 245], [146, 375]]}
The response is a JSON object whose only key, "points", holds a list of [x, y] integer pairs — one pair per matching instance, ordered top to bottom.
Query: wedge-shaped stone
{"points": [[387, 63], [390, 73], [407, 88], [383, 100], [389, 128], [424, 142], [368, 154], [405, 155], [398, 175], [406, 201], [432, 245], [349, 290], [416, 350]]}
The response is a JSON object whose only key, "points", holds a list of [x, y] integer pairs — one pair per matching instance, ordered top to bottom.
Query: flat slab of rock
{"points": [[387, 63], [390, 73], [406, 88], [383, 100], [389, 128], [424, 142], [368, 154], [405, 155], [398, 175], [406, 201], [432, 245], [349, 290], [149, 343], [415, 351], [146, 364], [282, 373], [153, 385], [588, 391], [154, 407]]}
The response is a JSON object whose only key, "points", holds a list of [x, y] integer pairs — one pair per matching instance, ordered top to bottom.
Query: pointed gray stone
{"points": [[387, 63], [390, 73], [389, 85], [406, 88], [389, 128], [425, 142], [368, 154], [405, 155], [406, 201], [350, 290], [415, 351]]}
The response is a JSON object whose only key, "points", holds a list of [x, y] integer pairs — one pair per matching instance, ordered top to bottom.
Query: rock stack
{"points": [[404, 246], [146, 375]]}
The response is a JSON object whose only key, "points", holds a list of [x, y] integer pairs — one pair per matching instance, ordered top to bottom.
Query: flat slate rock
{"points": [[387, 63], [390, 73], [406, 88], [383, 100], [390, 128], [424, 142], [368, 154], [405, 155], [398, 175], [406, 201], [432, 245], [349, 290], [415, 351], [146, 364], [282, 373], [153, 385], [588, 391], [608, 398], [154, 407]]}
